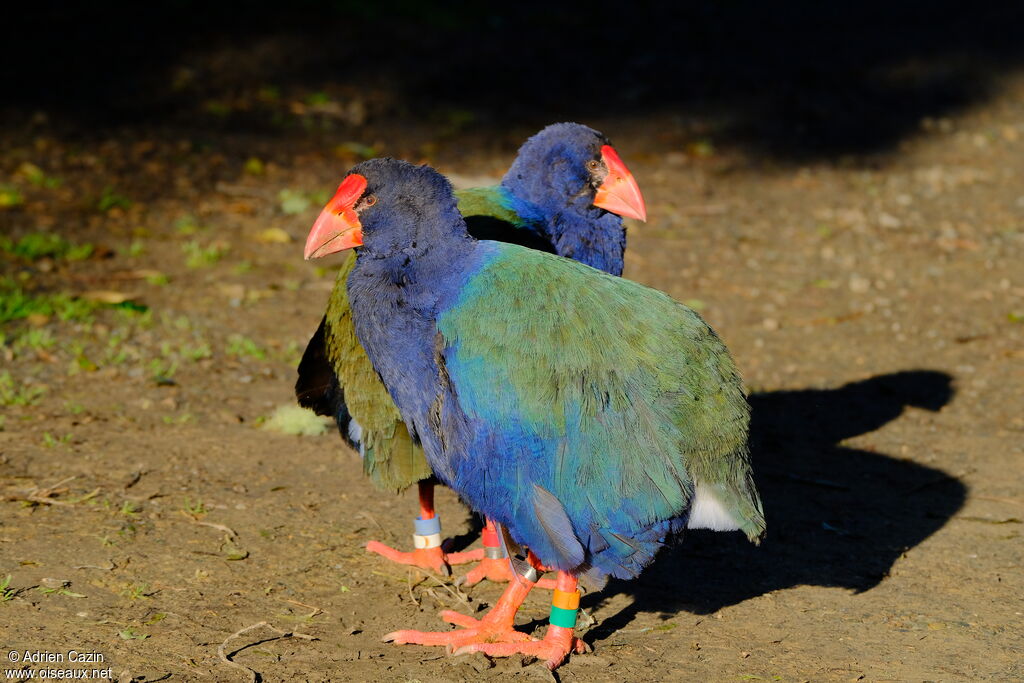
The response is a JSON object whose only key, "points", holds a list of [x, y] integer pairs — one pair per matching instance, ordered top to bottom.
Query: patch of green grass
{"points": [[318, 98], [217, 108], [254, 166], [36, 176], [10, 197], [110, 199], [293, 201], [187, 225], [37, 245], [135, 249], [198, 256], [157, 279], [16, 304], [135, 314], [1015, 316], [34, 339], [241, 346], [196, 353], [291, 354], [162, 370], [15, 393], [74, 408], [51, 441], [194, 508], [129, 509], [63, 590], [138, 591], [6, 592], [130, 634]]}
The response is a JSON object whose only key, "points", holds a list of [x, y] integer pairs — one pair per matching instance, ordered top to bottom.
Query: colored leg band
{"points": [[426, 527], [428, 541], [492, 553], [566, 601], [565, 618]]}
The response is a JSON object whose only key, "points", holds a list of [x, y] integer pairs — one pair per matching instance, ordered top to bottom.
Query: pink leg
{"points": [[428, 553], [494, 564], [497, 626], [558, 643]]}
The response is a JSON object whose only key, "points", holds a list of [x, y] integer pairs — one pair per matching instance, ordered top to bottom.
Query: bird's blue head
{"points": [[582, 188], [387, 207]]}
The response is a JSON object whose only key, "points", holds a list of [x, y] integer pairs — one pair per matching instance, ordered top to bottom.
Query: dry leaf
{"points": [[274, 236], [108, 296]]}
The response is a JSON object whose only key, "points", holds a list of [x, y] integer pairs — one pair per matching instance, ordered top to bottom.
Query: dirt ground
{"points": [[875, 304]]}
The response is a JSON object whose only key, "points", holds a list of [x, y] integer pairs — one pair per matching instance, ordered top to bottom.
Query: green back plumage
{"points": [[490, 202], [645, 411]]}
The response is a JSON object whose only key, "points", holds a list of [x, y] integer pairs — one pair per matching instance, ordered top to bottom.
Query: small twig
{"points": [[59, 483], [41, 494], [40, 500], [219, 527], [94, 566], [410, 585], [432, 593], [458, 594], [316, 610], [226, 657]]}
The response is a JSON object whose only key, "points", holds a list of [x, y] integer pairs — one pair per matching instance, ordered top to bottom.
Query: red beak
{"points": [[619, 192], [337, 227]]}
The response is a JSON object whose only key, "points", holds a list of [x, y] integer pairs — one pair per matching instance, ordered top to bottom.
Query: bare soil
{"points": [[875, 304]]}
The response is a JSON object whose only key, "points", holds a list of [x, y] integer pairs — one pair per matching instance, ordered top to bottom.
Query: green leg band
{"points": [[563, 617]]}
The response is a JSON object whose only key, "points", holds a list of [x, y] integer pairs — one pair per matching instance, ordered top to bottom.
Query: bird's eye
{"points": [[592, 164], [371, 200]]}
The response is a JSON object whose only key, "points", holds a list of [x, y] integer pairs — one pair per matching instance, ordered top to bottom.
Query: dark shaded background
{"points": [[799, 79]]}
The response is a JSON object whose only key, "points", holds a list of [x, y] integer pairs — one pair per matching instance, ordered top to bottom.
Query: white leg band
{"points": [[422, 542]]}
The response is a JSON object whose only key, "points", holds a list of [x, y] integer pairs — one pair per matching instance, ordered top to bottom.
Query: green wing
{"points": [[489, 201], [615, 382]]}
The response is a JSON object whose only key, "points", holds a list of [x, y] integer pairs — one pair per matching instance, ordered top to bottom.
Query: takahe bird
{"points": [[565, 193], [590, 417]]}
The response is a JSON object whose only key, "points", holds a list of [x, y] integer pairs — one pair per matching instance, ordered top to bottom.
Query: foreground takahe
{"points": [[565, 193], [589, 416]]}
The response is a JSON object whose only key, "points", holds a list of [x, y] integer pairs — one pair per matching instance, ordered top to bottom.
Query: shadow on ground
{"points": [[794, 80], [837, 516]]}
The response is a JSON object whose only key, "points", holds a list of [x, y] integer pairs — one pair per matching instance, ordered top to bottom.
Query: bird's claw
{"points": [[432, 559], [473, 631], [553, 650]]}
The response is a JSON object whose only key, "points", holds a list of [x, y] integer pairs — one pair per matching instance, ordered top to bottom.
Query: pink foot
{"points": [[465, 557], [426, 558], [473, 632], [553, 650]]}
